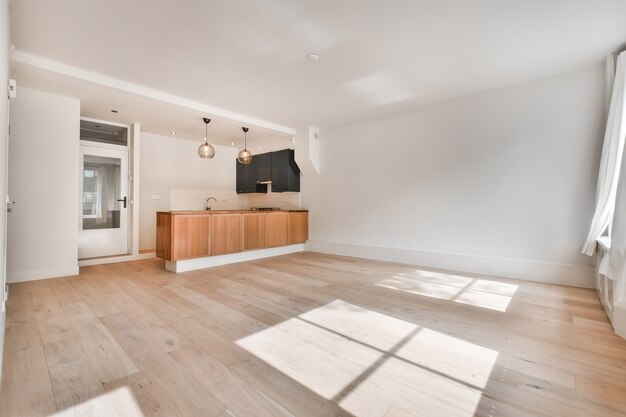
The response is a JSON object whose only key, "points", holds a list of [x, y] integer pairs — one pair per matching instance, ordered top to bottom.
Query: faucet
{"points": [[208, 207]]}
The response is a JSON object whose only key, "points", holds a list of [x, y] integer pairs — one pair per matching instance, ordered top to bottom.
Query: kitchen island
{"points": [[189, 240]]}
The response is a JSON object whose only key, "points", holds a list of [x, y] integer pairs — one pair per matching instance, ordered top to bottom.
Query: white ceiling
{"points": [[249, 56], [155, 116]]}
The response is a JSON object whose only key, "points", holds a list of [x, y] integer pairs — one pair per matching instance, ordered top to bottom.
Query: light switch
{"points": [[156, 197]]}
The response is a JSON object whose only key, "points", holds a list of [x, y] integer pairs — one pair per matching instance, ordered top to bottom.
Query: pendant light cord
{"points": [[206, 129], [245, 138]]}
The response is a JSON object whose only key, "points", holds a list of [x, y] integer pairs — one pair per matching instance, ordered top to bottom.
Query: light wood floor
{"points": [[307, 335]]}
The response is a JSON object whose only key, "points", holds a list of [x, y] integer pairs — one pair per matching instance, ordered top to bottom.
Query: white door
{"points": [[103, 202]]}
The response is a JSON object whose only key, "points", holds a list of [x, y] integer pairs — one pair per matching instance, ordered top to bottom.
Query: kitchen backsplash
{"points": [[187, 199], [280, 200]]}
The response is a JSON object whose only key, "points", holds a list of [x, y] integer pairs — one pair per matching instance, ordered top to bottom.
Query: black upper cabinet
{"points": [[263, 167], [278, 167], [285, 171], [247, 178]]}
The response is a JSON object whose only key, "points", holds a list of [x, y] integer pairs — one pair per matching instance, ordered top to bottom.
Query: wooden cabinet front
{"points": [[298, 227], [226, 229], [277, 229], [254, 231], [187, 235], [164, 236], [191, 237]]}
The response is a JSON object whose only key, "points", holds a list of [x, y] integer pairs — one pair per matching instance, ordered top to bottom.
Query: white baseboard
{"points": [[116, 259], [211, 261], [530, 270], [63, 272], [41, 274]]}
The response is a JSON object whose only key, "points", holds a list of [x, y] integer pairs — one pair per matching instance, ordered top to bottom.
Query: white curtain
{"points": [[611, 161], [107, 190], [98, 195], [614, 263]]}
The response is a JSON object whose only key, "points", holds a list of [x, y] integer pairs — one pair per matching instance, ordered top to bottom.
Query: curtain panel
{"points": [[611, 161], [613, 265]]}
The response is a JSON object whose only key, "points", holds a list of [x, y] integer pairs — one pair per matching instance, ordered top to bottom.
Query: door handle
{"points": [[124, 200], [9, 209]]}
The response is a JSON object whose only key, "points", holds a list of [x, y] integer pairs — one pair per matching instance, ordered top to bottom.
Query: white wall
{"points": [[4, 122], [167, 163], [43, 180], [501, 182]]}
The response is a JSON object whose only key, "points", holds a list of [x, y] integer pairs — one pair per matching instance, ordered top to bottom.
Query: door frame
{"points": [[129, 151]]}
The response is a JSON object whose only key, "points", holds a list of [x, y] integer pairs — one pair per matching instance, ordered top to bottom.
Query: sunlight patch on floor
{"points": [[477, 292], [369, 327], [456, 358], [323, 361], [369, 362], [397, 384], [119, 402]]}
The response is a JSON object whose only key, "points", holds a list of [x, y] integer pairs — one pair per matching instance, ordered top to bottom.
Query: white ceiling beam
{"points": [[35, 61]]}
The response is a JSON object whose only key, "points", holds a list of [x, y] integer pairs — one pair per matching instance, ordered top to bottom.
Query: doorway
{"points": [[103, 191]]}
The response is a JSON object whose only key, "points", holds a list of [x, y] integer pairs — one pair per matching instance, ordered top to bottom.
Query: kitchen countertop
{"points": [[228, 211]]}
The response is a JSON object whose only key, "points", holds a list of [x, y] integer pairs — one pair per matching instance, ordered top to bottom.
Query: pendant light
{"points": [[206, 150], [245, 156]]}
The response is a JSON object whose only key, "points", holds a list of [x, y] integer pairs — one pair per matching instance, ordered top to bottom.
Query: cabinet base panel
{"points": [[211, 261]]}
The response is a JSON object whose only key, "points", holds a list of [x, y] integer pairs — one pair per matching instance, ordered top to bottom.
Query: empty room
{"points": [[251, 208]]}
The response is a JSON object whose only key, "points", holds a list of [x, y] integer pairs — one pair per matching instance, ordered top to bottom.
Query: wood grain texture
{"points": [[205, 212], [298, 227], [277, 229], [254, 231], [227, 233], [187, 235], [164, 236], [191, 236], [307, 335], [26, 389]]}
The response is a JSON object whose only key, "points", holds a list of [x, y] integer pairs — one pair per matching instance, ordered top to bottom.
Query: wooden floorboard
{"points": [[307, 335]]}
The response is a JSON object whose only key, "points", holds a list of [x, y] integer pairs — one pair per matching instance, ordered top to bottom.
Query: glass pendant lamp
{"points": [[206, 150], [245, 156]]}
